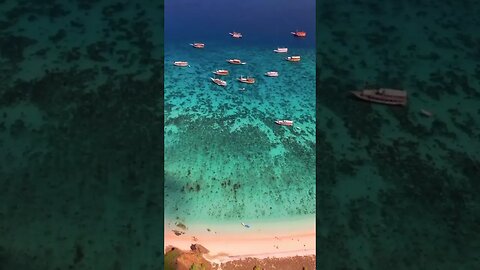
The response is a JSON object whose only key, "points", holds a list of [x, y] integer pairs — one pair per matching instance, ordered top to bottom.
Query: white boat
{"points": [[236, 35], [198, 45], [281, 50], [294, 58], [236, 62], [181, 64], [221, 72], [272, 74], [249, 80], [219, 82], [284, 122], [245, 225]]}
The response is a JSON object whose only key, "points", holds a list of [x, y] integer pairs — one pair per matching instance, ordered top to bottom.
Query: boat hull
{"points": [[299, 34], [236, 35], [198, 45], [281, 50], [289, 59], [235, 62], [181, 64], [221, 73], [271, 74], [246, 80], [219, 82], [387, 100], [284, 122]]}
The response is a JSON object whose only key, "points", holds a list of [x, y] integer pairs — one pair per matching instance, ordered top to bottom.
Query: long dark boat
{"points": [[383, 95]]}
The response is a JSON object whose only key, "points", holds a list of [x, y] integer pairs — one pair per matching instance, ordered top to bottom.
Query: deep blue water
{"points": [[261, 22]]}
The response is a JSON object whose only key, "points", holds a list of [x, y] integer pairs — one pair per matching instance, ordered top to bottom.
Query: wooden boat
{"points": [[299, 33], [236, 35], [198, 45], [281, 50], [295, 58], [236, 62], [181, 64], [221, 72], [272, 74], [248, 80], [219, 82], [383, 95], [284, 122]]}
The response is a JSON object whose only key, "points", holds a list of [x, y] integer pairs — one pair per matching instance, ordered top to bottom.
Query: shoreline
{"points": [[230, 241]]}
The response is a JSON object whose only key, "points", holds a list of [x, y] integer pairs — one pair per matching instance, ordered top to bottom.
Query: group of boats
{"points": [[295, 33], [247, 79], [381, 95]]}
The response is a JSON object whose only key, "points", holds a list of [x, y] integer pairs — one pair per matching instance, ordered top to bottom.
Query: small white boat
{"points": [[236, 35], [198, 45], [281, 50], [294, 58], [236, 62], [181, 64], [221, 72], [272, 74], [249, 80], [219, 82], [284, 122], [245, 225]]}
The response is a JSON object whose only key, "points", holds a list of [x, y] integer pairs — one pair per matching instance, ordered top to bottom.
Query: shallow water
{"points": [[225, 158]]}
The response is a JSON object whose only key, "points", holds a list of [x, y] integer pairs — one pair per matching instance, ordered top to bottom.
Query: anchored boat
{"points": [[299, 33], [236, 35], [198, 45], [281, 50], [295, 58], [236, 62], [181, 64], [221, 72], [271, 74], [248, 80], [219, 82], [383, 95], [284, 122]]}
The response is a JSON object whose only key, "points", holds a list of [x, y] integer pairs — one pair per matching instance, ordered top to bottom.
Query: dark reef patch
{"points": [[12, 47], [79, 139], [423, 212]]}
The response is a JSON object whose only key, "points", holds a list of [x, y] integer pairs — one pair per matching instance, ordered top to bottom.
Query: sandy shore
{"points": [[232, 241]]}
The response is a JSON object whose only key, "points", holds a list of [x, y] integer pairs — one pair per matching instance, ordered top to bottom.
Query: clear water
{"points": [[225, 158]]}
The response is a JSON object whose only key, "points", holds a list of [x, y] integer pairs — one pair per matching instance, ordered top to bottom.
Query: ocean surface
{"points": [[81, 147], [225, 158], [397, 189]]}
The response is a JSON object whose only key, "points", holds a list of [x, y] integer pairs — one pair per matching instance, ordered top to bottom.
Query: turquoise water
{"points": [[225, 158]]}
